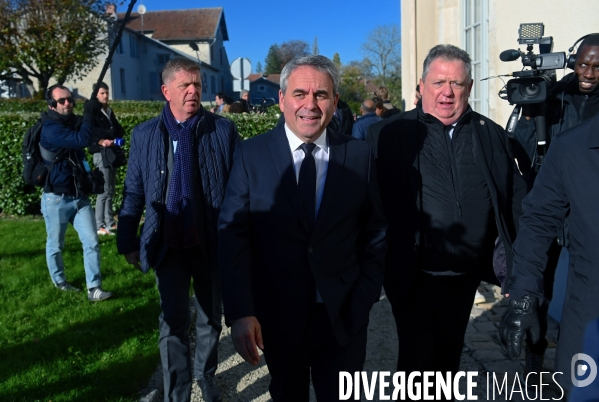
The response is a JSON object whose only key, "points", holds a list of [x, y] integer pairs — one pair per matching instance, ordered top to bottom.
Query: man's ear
{"points": [[166, 93], [281, 101]]}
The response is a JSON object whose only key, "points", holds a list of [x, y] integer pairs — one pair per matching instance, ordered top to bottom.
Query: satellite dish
{"points": [[141, 9]]}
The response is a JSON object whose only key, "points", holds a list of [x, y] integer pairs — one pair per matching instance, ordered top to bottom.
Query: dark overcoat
{"points": [[566, 186]]}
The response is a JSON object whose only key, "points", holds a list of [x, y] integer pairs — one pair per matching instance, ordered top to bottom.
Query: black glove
{"points": [[92, 106], [520, 317]]}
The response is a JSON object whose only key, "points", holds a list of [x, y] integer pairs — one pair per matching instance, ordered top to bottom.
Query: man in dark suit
{"points": [[451, 192], [302, 241]]}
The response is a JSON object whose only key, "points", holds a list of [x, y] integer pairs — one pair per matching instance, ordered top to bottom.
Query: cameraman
{"points": [[573, 100], [106, 129], [62, 199]]}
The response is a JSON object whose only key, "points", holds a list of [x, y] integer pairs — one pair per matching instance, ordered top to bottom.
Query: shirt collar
{"points": [[107, 112], [295, 142]]}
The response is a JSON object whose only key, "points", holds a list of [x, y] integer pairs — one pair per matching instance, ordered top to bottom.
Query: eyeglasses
{"points": [[63, 100]]}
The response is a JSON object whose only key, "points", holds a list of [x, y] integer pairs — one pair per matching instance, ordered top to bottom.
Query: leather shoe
{"points": [[210, 390]]}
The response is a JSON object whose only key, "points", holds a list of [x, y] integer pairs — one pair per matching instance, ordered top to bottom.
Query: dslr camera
{"points": [[532, 85]]}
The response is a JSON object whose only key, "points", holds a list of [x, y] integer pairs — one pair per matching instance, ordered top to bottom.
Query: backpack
{"points": [[35, 170]]}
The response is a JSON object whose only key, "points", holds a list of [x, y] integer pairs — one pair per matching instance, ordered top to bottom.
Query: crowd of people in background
{"points": [[297, 230]]}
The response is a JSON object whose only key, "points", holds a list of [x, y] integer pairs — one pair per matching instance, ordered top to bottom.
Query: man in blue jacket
{"points": [[360, 129], [179, 163], [64, 199]]}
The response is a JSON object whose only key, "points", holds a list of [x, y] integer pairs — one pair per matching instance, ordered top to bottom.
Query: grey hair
{"points": [[447, 52], [318, 62], [173, 66]]}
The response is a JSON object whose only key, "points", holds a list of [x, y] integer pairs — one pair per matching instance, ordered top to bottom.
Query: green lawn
{"points": [[57, 346]]}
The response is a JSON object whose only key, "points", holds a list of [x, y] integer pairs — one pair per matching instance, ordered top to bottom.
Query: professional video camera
{"points": [[532, 86]]}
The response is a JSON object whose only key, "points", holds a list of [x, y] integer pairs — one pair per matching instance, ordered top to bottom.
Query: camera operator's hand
{"points": [[92, 106], [526, 112], [519, 318]]}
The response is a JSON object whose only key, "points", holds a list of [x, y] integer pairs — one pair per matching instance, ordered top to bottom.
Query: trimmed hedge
{"points": [[17, 198]]}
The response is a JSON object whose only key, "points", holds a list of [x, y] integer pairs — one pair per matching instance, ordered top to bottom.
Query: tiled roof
{"points": [[191, 24], [276, 78]]}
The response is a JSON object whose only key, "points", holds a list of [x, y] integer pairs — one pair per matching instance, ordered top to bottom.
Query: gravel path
{"points": [[242, 382]]}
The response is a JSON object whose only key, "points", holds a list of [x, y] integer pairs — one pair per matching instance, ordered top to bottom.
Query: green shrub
{"points": [[16, 116]]}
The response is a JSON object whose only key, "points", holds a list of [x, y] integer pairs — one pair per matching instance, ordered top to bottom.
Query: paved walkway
{"points": [[482, 353]]}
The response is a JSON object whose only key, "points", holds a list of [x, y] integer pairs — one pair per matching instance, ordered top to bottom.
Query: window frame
{"points": [[480, 103]]}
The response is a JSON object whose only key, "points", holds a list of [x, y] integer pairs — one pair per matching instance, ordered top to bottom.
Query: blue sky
{"points": [[341, 26]]}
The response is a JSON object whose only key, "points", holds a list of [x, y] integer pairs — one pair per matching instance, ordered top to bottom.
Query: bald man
{"points": [[369, 116]]}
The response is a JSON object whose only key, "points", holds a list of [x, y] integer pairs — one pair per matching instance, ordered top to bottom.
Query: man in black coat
{"points": [[106, 129], [563, 187], [451, 193], [302, 241]]}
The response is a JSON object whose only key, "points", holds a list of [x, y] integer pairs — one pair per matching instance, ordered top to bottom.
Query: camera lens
{"points": [[530, 91]]}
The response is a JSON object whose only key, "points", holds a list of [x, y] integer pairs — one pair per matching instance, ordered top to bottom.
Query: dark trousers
{"points": [[173, 278], [431, 322], [318, 354]]}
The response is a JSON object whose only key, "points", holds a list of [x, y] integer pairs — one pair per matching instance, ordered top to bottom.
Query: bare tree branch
{"points": [[383, 48]]}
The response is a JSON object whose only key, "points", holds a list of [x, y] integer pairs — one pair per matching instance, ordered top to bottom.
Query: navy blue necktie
{"points": [[307, 184]]}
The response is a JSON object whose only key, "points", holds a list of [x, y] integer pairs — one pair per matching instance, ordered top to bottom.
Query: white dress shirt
{"points": [[321, 157]]}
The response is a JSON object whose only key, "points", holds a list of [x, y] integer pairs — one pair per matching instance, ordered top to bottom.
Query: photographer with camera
{"points": [[573, 100], [107, 157], [65, 196]]}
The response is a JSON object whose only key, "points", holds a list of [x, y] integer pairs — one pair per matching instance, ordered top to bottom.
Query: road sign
{"points": [[241, 68], [240, 85]]}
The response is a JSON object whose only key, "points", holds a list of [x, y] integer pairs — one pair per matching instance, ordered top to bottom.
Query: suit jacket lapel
{"points": [[337, 152], [281, 155]]}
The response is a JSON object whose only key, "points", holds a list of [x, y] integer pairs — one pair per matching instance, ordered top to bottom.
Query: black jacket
{"points": [[105, 129], [396, 143], [564, 186], [269, 257]]}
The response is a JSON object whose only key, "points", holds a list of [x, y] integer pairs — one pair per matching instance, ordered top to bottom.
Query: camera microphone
{"points": [[509, 55]]}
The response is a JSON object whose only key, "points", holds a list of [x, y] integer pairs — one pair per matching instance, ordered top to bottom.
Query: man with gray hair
{"points": [[368, 109], [179, 163], [452, 194], [302, 241]]}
